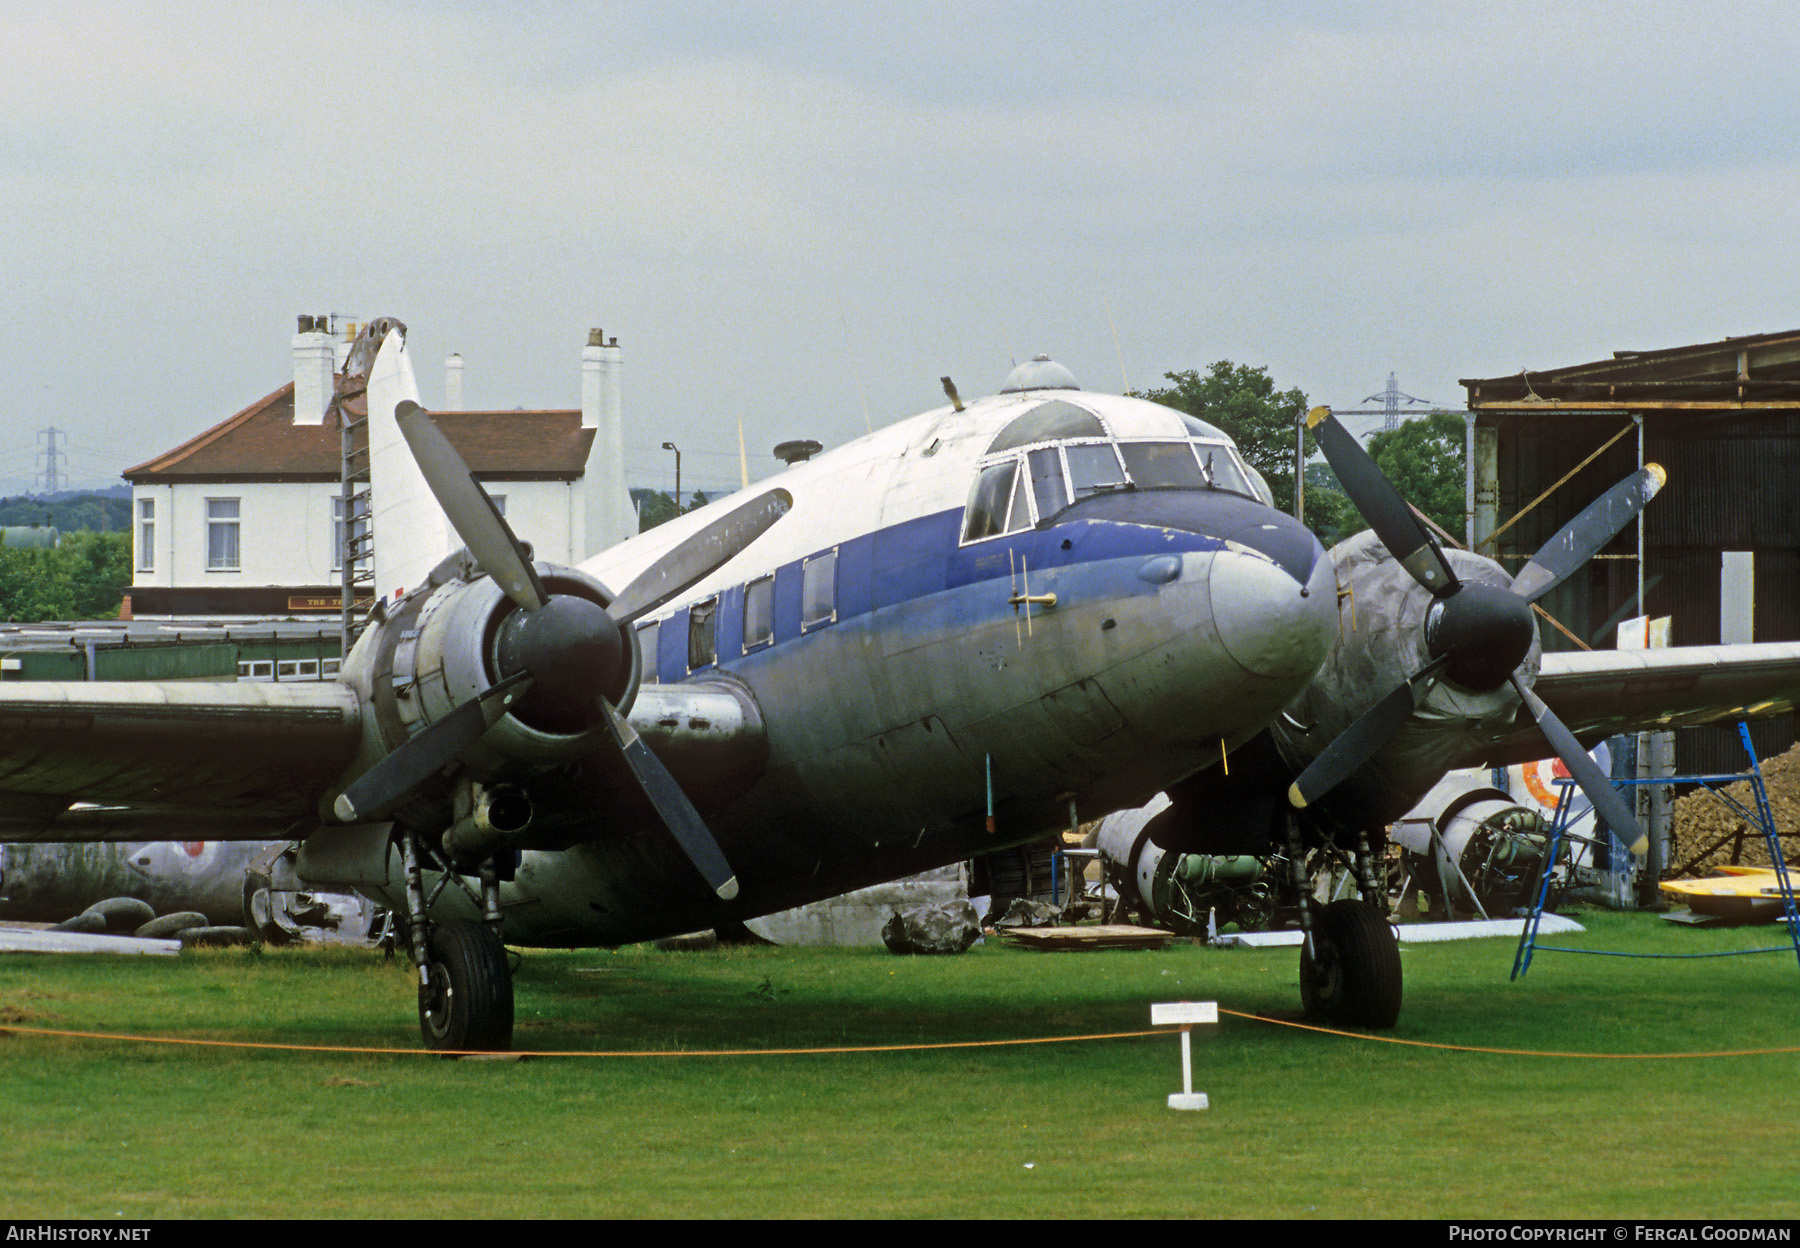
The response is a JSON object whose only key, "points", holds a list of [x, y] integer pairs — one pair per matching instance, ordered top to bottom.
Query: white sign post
{"points": [[1185, 1014]]}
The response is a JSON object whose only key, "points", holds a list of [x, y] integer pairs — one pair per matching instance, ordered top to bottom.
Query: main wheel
{"points": [[1355, 977], [469, 1003]]}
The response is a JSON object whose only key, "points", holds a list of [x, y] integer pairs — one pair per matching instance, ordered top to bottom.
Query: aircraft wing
{"points": [[1598, 693], [200, 760]]}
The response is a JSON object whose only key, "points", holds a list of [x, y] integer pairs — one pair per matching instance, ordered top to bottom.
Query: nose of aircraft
{"points": [[1274, 598]]}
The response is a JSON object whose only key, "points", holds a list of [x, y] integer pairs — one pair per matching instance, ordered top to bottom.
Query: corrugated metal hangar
{"points": [[1718, 550]]}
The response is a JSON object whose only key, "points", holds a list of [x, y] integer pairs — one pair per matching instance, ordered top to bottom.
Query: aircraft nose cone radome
{"points": [[1270, 622]]}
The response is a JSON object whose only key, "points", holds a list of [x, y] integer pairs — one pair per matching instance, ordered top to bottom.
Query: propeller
{"points": [[1476, 635], [557, 653]]}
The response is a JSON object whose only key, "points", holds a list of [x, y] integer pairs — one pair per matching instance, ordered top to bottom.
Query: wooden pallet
{"points": [[1107, 936]]}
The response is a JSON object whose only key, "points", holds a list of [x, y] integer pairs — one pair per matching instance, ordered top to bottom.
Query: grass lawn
{"points": [[1302, 1124]]}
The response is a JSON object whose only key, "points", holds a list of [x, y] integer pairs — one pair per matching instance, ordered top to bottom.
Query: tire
{"points": [[1355, 980], [469, 1005]]}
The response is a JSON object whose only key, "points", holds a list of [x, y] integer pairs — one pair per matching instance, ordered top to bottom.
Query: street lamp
{"points": [[670, 446]]}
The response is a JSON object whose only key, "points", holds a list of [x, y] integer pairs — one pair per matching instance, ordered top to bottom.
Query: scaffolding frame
{"points": [[1762, 817]]}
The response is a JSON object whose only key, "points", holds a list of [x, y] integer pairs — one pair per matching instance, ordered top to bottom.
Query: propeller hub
{"points": [[1484, 631], [572, 648]]}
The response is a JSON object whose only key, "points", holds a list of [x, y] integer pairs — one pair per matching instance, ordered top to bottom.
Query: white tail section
{"points": [[411, 533]]}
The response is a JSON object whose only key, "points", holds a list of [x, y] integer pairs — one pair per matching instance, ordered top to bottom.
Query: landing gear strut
{"points": [[1349, 959], [465, 982]]}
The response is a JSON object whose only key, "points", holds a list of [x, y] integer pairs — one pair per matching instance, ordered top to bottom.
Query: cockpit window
{"points": [[1048, 422], [1200, 429], [1154, 465], [1094, 468], [1223, 469], [1053, 477], [1047, 484], [992, 499]]}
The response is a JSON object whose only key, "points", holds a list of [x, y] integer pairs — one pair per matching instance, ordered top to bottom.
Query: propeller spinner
{"points": [[1477, 635], [556, 653]]}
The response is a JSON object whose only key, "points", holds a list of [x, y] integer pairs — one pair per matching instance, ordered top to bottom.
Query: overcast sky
{"points": [[804, 214]]}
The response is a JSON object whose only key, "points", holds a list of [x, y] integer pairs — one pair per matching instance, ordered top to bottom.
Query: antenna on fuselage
{"points": [[950, 389]]}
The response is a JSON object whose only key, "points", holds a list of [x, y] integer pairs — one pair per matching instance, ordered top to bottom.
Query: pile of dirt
{"points": [[1700, 818]]}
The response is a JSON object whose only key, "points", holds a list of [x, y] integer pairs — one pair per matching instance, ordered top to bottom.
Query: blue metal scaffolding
{"points": [[1762, 818]]}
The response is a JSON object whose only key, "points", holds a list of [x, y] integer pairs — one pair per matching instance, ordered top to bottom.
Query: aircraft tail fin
{"points": [[411, 533]]}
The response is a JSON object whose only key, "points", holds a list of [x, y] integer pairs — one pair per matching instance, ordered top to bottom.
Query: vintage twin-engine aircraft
{"points": [[947, 637], [944, 638]]}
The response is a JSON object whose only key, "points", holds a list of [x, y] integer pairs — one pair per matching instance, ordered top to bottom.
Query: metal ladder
{"points": [[356, 557], [1762, 817]]}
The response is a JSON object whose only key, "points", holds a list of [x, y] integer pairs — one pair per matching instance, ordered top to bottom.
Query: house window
{"points": [[358, 532], [221, 534], [146, 535], [818, 590], [759, 612]]}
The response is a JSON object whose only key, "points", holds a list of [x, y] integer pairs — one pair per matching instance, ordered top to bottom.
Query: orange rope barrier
{"points": [[9, 1028]]}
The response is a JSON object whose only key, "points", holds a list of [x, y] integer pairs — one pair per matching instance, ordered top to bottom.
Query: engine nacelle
{"points": [[438, 649], [1479, 853], [1183, 891]]}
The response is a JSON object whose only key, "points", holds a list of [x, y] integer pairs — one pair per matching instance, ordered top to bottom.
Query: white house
{"points": [[245, 519]]}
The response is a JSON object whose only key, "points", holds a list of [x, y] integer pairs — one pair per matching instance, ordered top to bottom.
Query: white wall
{"points": [[285, 533]]}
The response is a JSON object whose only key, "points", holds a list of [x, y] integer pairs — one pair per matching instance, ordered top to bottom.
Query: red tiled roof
{"points": [[262, 443]]}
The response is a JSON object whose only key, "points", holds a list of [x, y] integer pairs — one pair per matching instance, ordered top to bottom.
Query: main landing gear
{"points": [[1349, 959], [465, 981]]}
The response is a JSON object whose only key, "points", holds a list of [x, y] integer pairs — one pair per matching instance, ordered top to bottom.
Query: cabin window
{"points": [[1054, 421], [1162, 465], [1094, 469], [222, 534], [146, 535], [818, 590], [759, 612], [703, 620], [647, 637]]}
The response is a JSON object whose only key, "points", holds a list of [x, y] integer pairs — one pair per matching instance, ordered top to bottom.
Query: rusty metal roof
{"points": [[1759, 371]]}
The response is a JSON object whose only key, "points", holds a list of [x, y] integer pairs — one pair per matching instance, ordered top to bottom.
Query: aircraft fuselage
{"points": [[934, 675]]}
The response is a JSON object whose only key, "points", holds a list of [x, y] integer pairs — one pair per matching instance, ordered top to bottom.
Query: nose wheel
{"points": [[1349, 959], [1350, 967], [465, 980]]}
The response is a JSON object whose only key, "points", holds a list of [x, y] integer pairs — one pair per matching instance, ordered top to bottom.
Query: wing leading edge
{"points": [[1598, 693], [170, 760]]}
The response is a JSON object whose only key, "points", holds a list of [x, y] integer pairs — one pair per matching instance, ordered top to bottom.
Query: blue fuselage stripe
{"points": [[915, 560]]}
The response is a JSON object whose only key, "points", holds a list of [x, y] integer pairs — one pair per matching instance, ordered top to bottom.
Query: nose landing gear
{"points": [[1349, 960]]}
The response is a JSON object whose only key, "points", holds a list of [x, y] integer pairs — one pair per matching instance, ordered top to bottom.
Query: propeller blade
{"points": [[1381, 505], [471, 512], [1581, 539], [698, 555], [1358, 743], [375, 793], [672, 805], [1608, 805]]}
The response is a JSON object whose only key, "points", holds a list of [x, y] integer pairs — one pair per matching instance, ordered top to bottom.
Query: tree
{"points": [[1243, 402], [1424, 460], [658, 506], [83, 579]]}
